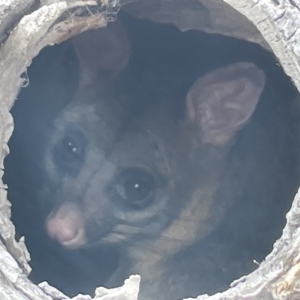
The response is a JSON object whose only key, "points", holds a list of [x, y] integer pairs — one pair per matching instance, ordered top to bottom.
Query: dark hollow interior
{"points": [[174, 60]]}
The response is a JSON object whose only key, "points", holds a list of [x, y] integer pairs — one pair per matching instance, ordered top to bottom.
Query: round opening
{"points": [[141, 148]]}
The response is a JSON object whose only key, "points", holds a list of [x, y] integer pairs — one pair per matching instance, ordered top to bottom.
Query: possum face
{"points": [[108, 169], [131, 176]]}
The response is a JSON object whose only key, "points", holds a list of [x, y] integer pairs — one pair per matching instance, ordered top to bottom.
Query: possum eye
{"points": [[69, 152], [135, 186]]}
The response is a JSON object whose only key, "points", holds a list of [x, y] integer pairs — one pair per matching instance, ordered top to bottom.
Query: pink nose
{"points": [[66, 226], [61, 230]]}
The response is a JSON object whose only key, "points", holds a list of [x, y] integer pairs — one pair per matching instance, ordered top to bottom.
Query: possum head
{"points": [[130, 171]]}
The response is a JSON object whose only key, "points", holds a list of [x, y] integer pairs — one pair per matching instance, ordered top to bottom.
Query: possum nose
{"points": [[66, 226]]}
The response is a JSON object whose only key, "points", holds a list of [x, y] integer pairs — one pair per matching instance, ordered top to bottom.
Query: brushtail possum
{"points": [[128, 169]]}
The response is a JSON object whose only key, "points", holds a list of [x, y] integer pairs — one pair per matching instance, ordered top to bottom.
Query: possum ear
{"points": [[103, 51], [221, 103]]}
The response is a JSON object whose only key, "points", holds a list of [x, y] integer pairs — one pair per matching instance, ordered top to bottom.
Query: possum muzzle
{"points": [[66, 226]]}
